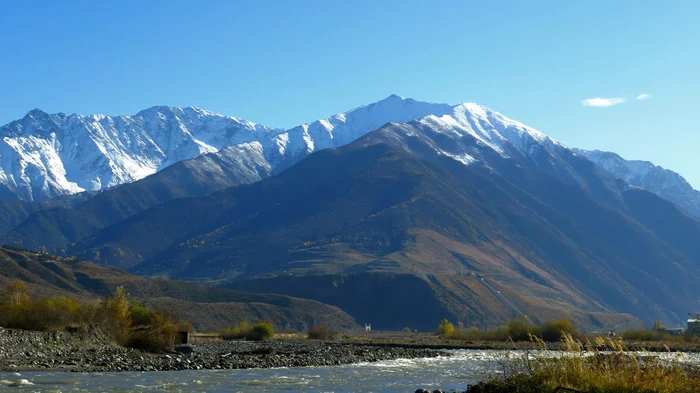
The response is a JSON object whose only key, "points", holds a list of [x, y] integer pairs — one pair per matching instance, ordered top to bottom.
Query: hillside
{"points": [[394, 213], [44, 228], [209, 309]]}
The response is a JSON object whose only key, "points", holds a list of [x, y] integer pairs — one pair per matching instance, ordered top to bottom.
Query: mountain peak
{"points": [[394, 97], [36, 112], [40, 118]]}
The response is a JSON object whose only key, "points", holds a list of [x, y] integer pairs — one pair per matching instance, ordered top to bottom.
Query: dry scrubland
{"points": [[127, 322]]}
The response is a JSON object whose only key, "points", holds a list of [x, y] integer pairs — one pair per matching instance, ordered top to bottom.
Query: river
{"points": [[400, 376]]}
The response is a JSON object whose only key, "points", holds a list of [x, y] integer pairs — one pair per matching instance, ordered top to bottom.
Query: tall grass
{"points": [[604, 366]]}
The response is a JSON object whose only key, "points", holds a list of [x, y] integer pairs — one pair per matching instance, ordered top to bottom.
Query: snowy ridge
{"points": [[47, 155], [44, 156], [643, 174]]}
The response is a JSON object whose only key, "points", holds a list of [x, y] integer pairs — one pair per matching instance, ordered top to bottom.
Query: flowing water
{"points": [[448, 373]]}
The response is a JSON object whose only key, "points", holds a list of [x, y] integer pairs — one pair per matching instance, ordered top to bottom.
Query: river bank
{"points": [[433, 341], [90, 351]]}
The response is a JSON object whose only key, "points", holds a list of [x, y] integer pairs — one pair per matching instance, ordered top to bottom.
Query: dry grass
{"points": [[601, 366]]}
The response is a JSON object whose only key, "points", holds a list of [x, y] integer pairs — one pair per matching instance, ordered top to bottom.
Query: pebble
{"points": [[92, 351]]}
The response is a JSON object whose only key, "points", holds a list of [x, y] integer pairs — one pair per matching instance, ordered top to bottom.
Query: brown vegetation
{"points": [[127, 322], [519, 329], [321, 333], [582, 367]]}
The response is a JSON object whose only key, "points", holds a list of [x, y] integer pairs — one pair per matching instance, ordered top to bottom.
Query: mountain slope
{"points": [[272, 151], [663, 182], [424, 203], [53, 229], [557, 239], [209, 309]]}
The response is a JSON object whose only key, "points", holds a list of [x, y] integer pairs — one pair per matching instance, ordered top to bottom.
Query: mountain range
{"points": [[428, 210]]}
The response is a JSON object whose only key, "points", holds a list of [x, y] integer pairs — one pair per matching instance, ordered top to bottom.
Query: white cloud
{"points": [[643, 96], [602, 102]]}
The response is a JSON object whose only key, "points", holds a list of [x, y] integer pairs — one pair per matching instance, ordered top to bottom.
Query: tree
{"points": [[16, 293], [116, 314], [658, 325], [446, 328]]}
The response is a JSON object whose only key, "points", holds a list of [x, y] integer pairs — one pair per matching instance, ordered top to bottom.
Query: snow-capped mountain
{"points": [[43, 156], [663, 182]]}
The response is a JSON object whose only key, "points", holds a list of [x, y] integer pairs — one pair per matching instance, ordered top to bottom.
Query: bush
{"points": [[446, 328], [521, 329], [259, 331], [555, 331], [236, 333], [321, 333], [647, 335], [156, 336]]}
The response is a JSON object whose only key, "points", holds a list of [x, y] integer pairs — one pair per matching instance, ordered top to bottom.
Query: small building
{"points": [[694, 326], [675, 331], [182, 337]]}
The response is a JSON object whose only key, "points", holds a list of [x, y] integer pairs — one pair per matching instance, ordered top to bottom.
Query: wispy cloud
{"points": [[643, 96], [603, 102]]}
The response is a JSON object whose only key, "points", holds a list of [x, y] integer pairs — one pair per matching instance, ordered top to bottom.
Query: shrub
{"points": [[141, 315], [446, 328], [521, 329], [261, 331], [555, 331], [236, 333], [320, 333], [645, 335], [156, 336]]}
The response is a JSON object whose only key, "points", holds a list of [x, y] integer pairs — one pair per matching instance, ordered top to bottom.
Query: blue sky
{"points": [[282, 63]]}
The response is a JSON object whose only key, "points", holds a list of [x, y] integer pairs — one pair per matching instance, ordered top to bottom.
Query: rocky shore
{"points": [[90, 351]]}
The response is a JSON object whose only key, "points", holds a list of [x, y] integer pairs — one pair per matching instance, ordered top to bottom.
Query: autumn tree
{"points": [[16, 293]]}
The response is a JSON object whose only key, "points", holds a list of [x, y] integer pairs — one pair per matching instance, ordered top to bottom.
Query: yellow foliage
{"points": [[128, 322], [446, 328]]}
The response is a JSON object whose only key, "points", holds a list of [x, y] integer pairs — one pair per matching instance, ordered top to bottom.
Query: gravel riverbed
{"points": [[91, 351]]}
